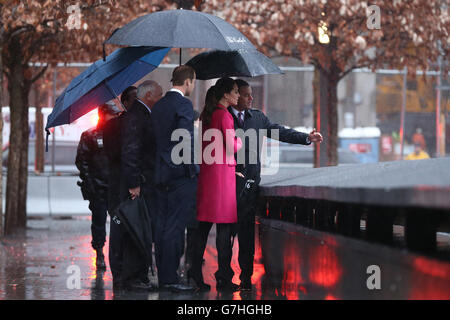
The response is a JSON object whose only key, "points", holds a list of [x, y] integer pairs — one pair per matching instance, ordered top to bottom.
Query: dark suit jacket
{"points": [[172, 112], [255, 119], [138, 146]]}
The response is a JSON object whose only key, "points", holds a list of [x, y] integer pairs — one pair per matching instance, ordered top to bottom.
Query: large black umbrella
{"points": [[181, 29], [238, 63]]}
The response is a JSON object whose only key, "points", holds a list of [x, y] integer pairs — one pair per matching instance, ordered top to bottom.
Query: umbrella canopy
{"points": [[181, 29], [240, 63], [103, 81]]}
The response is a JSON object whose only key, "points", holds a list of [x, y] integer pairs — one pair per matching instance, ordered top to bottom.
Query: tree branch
{"points": [[18, 30], [36, 45], [39, 74], [343, 74]]}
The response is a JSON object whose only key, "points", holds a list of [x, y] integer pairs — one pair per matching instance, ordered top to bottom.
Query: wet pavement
{"points": [[39, 262], [291, 263]]}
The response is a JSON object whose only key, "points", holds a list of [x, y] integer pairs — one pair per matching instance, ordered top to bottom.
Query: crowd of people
{"points": [[129, 155]]}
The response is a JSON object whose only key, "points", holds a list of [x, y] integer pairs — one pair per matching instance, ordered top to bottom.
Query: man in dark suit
{"points": [[248, 163], [136, 173], [176, 182]]}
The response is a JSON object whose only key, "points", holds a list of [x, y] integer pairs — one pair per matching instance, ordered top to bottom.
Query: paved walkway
{"points": [[291, 262], [39, 264]]}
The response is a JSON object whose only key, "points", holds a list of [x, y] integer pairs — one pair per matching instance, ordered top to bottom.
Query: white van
{"points": [[66, 140]]}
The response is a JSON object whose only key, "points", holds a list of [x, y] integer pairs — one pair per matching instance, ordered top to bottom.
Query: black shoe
{"points": [[100, 261], [145, 280], [198, 281], [138, 285], [246, 285], [229, 286], [176, 287]]}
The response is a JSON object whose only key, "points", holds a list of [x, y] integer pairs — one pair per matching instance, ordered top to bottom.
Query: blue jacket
{"points": [[172, 112]]}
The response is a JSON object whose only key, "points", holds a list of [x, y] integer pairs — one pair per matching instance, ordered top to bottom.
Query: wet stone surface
{"points": [[42, 261], [291, 263]]}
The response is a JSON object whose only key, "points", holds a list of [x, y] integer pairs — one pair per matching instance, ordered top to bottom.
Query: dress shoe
{"points": [[100, 261], [198, 281], [138, 285], [246, 285], [229, 286], [176, 287]]}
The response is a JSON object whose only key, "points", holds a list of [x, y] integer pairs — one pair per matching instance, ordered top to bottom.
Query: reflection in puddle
{"points": [[304, 264], [288, 265], [324, 266]]}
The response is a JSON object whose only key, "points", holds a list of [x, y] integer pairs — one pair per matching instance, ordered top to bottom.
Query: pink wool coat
{"points": [[216, 192]]}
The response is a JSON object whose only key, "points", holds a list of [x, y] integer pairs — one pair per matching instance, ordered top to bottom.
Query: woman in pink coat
{"points": [[216, 192]]}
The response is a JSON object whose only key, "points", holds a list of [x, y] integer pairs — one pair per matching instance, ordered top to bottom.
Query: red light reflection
{"points": [[432, 268], [325, 269], [292, 277], [430, 280]]}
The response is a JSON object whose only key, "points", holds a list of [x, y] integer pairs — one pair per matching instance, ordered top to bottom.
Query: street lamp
{"points": [[323, 33]]}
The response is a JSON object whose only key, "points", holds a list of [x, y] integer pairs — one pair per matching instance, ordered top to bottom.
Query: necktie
{"points": [[241, 119]]}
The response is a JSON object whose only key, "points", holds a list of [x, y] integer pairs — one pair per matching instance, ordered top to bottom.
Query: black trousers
{"points": [[99, 208], [172, 211], [191, 228], [246, 233], [223, 245]]}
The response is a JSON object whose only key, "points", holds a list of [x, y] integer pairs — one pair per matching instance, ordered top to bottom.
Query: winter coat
{"points": [[92, 162], [216, 192]]}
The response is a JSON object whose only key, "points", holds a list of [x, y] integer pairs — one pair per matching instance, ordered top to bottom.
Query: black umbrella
{"points": [[181, 29], [239, 63], [135, 217]]}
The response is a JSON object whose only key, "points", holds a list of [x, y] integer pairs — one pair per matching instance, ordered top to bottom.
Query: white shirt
{"points": [[176, 90], [236, 113]]}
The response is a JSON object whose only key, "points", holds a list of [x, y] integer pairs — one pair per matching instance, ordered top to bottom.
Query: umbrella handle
{"points": [[46, 140]]}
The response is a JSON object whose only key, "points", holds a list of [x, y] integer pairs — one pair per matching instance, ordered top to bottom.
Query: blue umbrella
{"points": [[103, 81]]}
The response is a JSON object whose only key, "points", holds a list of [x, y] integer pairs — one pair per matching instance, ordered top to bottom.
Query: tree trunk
{"points": [[316, 114], [332, 114], [325, 118], [39, 129], [1, 132], [23, 168], [16, 188]]}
